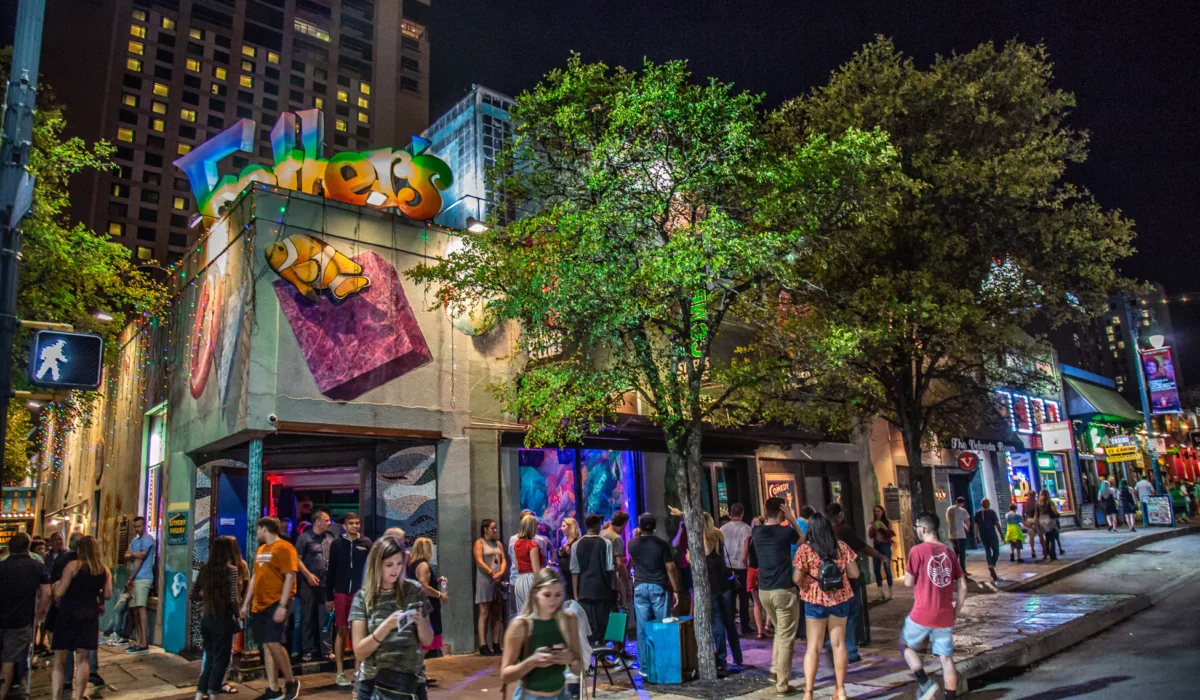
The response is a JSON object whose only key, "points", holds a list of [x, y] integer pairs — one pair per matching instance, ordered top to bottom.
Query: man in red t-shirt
{"points": [[935, 576]]}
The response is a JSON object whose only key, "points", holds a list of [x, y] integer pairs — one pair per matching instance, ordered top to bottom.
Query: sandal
{"points": [[228, 690]]}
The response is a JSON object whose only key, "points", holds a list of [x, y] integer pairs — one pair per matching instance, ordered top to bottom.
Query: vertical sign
{"points": [[1160, 380], [177, 527]]}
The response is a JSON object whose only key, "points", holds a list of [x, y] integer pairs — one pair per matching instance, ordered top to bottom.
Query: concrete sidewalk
{"points": [[997, 628]]}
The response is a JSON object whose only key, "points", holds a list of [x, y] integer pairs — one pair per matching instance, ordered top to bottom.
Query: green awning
{"points": [[1084, 399]]}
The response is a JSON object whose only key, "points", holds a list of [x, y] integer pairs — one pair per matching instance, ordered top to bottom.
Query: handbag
{"points": [[395, 685]]}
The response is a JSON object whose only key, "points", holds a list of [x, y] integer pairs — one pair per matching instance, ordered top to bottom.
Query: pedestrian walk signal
{"points": [[62, 360]]}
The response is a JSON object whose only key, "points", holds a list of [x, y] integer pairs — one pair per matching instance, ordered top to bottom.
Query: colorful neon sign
{"points": [[409, 180]]}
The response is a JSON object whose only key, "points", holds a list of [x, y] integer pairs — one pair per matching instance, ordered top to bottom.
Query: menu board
{"points": [[891, 503], [1156, 510], [1087, 516]]}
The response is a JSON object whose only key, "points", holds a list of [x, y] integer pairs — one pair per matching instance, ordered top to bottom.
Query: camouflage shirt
{"points": [[401, 649]]}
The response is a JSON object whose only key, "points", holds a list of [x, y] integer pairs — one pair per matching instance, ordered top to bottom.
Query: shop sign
{"points": [[410, 180], [1057, 437], [976, 445], [1158, 446], [1122, 453], [968, 461], [782, 486], [891, 503], [1156, 510], [177, 527], [7, 530]]}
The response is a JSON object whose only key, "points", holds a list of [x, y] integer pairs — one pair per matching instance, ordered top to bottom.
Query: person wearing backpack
{"points": [[823, 568], [939, 590]]}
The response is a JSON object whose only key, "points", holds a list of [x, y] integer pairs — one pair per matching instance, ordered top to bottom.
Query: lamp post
{"points": [[1143, 392]]}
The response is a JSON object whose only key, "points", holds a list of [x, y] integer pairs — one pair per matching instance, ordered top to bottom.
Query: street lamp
{"points": [[475, 225], [1157, 340]]}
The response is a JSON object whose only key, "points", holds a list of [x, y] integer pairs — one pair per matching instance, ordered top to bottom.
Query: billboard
{"points": [[1160, 380]]}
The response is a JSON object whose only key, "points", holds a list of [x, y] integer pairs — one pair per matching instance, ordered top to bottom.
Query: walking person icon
{"points": [[49, 359]]}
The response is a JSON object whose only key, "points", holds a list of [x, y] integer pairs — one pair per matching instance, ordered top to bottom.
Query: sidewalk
{"points": [[995, 627]]}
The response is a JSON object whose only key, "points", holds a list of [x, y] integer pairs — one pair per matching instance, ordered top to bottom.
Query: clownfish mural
{"points": [[410, 180], [312, 265]]}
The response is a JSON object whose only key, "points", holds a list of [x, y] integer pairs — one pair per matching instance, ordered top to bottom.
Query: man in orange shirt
{"points": [[272, 587]]}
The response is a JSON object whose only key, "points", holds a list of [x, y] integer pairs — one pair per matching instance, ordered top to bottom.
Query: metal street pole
{"points": [[16, 182], [1144, 393]]}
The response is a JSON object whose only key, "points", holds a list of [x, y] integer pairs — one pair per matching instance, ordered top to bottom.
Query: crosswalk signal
{"points": [[62, 360]]}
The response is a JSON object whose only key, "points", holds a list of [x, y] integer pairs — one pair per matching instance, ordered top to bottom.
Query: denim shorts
{"points": [[813, 611], [941, 639]]}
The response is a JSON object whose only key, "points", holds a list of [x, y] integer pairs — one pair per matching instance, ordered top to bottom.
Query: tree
{"points": [[658, 213], [68, 273], [918, 316]]}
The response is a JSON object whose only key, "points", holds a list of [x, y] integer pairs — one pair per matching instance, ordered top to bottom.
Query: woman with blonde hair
{"points": [[571, 535], [528, 559], [420, 569], [85, 580], [721, 589], [388, 624], [541, 643]]}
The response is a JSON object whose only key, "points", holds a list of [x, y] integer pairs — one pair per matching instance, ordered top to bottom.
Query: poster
{"points": [[1160, 380], [782, 486], [891, 503], [1156, 510], [177, 527]]}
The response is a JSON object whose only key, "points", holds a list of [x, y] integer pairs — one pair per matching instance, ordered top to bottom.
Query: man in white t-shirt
{"points": [[1144, 489], [958, 521], [736, 534]]}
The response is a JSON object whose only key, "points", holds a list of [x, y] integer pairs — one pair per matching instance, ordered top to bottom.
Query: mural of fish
{"points": [[312, 265]]}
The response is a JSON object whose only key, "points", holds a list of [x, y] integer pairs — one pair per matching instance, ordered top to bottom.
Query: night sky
{"points": [[1132, 65]]}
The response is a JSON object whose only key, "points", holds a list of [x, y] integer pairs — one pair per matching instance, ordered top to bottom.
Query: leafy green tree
{"points": [[659, 214], [68, 272], [918, 316]]}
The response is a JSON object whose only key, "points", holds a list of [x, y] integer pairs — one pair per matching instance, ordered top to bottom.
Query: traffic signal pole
{"points": [[16, 182], [1144, 393]]}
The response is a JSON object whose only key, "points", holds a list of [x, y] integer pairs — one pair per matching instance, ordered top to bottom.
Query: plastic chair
{"points": [[617, 635]]}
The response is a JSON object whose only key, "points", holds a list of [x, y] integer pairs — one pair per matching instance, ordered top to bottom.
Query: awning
{"points": [[1084, 399]]}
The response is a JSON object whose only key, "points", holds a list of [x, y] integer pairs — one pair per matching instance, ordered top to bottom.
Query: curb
{"points": [[1100, 557], [1031, 650]]}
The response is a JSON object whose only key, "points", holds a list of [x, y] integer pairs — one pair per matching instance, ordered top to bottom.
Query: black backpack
{"points": [[829, 576]]}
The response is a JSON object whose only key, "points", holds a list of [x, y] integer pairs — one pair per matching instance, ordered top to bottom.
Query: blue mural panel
{"points": [[608, 482], [548, 486]]}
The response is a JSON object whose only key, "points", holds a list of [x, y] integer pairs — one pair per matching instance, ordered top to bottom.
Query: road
{"points": [[1155, 654]]}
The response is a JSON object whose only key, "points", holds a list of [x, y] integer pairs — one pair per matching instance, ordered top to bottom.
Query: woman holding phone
{"points": [[389, 621], [541, 642]]}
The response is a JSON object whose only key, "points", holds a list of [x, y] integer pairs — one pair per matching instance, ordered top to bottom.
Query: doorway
{"points": [[960, 487]]}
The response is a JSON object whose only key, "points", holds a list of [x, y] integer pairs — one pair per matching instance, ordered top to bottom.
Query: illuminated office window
{"points": [[139, 15], [168, 23], [311, 29], [137, 30], [197, 34], [137, 48], [249, 51], [272, 57], [134, 64], [193, 65], [247, 67], [219, 73], [246, 81], [365, 88], [161, 90], [343, 96], [129, 100], [319, 102], [364, 103], [158, 107], [188, 115], [362, 117], [158, 124], [340, 125], [126, 135], [183, 149], [180, 203], [115, 229], [144, 253]]}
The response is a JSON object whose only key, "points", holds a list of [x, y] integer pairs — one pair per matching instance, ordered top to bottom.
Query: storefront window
{"points": [[1053, 479], [1020, 480], [608, 482], [548, 486]]}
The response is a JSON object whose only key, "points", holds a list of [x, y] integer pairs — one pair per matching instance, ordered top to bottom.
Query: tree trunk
{"points": [[685, 456], [920, 478]]}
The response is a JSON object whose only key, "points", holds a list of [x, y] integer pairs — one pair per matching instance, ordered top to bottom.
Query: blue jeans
{"points": [[885, 548], [991, 549], [650, 603], [723, 623], [117, 626]]}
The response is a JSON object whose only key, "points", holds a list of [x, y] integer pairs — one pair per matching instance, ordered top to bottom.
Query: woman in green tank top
{"points": [[541, 643]]}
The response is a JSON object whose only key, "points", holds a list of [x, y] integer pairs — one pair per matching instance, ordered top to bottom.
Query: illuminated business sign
{"points": [[410, 180], [1160, 380]]}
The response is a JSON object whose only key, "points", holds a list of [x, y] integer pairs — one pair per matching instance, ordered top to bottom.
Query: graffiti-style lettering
{"points": [[410, 180], [699, 318]]}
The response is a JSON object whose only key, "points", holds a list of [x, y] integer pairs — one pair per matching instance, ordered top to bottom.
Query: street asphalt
{"points": [[1154, 654]]}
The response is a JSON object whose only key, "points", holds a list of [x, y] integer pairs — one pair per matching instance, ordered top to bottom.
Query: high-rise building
{"points": [[158, 77], [468, 137], [1103, 345]]}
